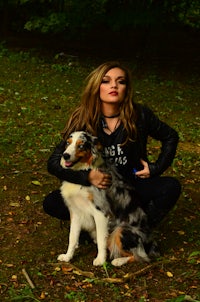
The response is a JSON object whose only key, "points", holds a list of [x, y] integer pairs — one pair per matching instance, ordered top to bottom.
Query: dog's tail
{"points": [[125, 245]]}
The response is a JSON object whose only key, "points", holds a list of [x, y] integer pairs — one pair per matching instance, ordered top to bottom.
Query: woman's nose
{"points": [[114, 84]]}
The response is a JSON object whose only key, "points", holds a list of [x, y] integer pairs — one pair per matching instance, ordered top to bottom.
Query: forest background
{"points": [[47, 48]]}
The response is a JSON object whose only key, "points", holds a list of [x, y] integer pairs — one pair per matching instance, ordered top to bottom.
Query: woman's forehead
{"points": [[116, 71]]}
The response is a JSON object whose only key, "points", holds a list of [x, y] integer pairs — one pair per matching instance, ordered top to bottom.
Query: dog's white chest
{"points": [[77, 197]]}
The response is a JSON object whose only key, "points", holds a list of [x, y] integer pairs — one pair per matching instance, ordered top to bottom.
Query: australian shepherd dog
{"points": [[113, 217]]}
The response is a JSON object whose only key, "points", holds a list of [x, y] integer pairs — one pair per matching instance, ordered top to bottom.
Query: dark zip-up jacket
{"points": [[127, 157]]}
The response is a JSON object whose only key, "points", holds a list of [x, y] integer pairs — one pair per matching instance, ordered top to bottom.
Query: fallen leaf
{"points": [[36, 183], [34, 192], [27, 198], [14, 204], [10, 219], [181, 232], [9, 265], [57, 269], [66, 270], [169, 274], [14, 277], [87, 285], [193, 286], [42, 296]]}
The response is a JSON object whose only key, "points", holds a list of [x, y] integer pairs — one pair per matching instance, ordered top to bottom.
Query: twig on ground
{"points": [[74, 269], [144, 269], [79, 272], [126, 277], [28, 278]]}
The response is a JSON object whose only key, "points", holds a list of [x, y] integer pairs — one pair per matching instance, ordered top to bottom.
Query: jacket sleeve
{"points": [[167, 136], [54, 168]]}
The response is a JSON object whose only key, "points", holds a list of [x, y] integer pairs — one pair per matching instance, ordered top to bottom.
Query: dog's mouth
{"points": [[68, 163]]}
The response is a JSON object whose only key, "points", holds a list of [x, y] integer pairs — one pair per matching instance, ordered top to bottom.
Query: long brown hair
{"points": [[86, 117]]}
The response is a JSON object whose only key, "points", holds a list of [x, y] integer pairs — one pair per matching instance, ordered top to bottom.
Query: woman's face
{"points": [[113, 86]]}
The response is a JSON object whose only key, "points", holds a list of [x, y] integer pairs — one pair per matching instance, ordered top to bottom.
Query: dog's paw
{"points": [[64, 257], [99, 261], [120, 261]]}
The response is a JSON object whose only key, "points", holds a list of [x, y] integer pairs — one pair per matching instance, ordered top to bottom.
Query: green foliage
{"points": [[185, 12], [71, 16], [77, 16], [54, 22], [194, 257], [24, 295], [75, 296], [182, 298]]}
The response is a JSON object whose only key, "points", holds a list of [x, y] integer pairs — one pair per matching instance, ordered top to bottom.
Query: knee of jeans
{"points": [[176, 187], [170, 194], [49, 201], [46, 204], [54, 206]]}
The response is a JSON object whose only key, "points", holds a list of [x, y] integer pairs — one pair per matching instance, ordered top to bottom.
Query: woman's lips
{"points": [[113, 93]]}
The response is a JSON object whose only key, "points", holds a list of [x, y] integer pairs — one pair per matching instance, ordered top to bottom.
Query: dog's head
{"points": [[82, 149]]}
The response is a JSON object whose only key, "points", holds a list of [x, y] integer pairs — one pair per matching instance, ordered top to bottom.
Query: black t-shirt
{"points": [[124, 157]]}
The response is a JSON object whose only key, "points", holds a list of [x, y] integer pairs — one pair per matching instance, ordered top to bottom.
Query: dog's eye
{"points": [[67, 143], [81, 147]]}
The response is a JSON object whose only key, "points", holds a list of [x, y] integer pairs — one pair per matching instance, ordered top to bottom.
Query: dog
{"points": [[88, 206], [113, 217]]}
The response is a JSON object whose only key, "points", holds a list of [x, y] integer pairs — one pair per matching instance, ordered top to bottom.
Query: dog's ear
{"points": [[97, 144]]}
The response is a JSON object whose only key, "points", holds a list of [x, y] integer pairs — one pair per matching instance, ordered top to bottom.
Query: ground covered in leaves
{"points": [[36, 96]]}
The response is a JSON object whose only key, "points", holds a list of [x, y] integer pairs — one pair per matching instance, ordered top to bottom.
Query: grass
{"points": [[37, 95]]}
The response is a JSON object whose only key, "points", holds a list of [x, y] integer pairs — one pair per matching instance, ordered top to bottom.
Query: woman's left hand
{"points": [[145, 173]]}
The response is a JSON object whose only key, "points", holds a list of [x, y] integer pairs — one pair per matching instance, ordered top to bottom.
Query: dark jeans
{"points": [[158, 195]]}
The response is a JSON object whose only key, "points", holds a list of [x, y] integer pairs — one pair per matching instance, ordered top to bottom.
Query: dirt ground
{"points": [[30, 241]]}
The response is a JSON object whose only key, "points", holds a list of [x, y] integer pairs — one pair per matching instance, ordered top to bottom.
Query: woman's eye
{"points": [[105, 81], [123, 82]]}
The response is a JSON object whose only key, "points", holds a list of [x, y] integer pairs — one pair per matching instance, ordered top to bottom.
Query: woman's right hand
{"points": [[99, 179]]}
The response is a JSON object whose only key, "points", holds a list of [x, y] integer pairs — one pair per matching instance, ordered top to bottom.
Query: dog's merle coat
{"points": [[113, 217]]}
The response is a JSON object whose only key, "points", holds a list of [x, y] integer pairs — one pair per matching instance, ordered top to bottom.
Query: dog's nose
{"points": [[66, 156]]}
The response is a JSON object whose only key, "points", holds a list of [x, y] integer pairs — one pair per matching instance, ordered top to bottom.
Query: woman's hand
{"points": [[145, 173], [99, 179]]}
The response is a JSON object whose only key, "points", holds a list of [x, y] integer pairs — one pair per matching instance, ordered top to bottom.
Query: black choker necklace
{"points": [[111, 116]]}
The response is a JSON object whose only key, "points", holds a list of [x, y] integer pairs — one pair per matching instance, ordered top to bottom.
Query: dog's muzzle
{"points": [[66, 156], [66, 160]]}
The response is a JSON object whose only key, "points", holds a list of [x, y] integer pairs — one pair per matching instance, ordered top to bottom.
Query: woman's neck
{"points": [[110, 111], [111, 118]]}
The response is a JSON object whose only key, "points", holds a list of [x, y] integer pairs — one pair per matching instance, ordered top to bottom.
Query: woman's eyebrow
{"points": [[119, 77]]}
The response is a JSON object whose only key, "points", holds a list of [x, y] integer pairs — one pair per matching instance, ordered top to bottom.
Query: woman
{"points": [[107, 110]]}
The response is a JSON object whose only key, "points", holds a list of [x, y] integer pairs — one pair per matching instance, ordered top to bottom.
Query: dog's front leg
{"points": [[75, 229], [102, 232]]}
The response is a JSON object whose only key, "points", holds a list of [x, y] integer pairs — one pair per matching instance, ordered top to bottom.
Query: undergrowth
{"points": [[37, 95]]}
